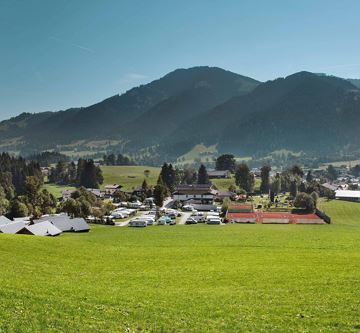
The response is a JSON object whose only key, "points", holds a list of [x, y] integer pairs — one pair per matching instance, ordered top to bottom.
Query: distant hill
{"points": [[355, 82], [201, 105], [302, 112], [128, 117]]}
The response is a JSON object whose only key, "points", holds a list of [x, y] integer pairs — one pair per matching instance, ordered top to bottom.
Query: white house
{"points": [[200, 193], [347, 195]]}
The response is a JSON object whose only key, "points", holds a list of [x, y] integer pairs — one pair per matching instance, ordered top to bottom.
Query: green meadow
{"points": [[129, 176], [197, 278]]}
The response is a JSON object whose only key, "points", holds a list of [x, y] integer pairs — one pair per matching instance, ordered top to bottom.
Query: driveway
{"points": [[184, 217]]}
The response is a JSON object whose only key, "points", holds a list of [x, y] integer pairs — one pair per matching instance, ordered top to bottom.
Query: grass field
{"points": [[129, 176], [223, 184], [56, 190], [231, 278]]}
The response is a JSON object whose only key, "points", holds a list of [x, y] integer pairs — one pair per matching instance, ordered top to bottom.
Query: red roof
{"points": [[272, 215]]}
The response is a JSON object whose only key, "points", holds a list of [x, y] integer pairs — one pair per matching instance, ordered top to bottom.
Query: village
{"points": [[190, 204]]}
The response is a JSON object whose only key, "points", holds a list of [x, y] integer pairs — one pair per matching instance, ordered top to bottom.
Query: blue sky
{"points": [[56, 54]]}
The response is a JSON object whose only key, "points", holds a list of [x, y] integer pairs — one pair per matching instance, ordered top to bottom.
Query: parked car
{"points": [[164, 220], [191, 220], [213, 220], [137, 223]]}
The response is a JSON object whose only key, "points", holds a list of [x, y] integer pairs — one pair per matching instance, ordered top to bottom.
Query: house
{"points": [[217, 174], [111, 189], [328, 190], [97, 192], [200, 193], [66, 194], [221, 195], [347, 195], [4, 220], [62, 221], [79, 225], [14, 228], [44, 228]]}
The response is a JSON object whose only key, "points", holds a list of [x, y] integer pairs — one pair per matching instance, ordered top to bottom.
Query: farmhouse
{"points": [[217, 174], [111, 189], [97, 192], [200, 193], [66, 194], [221, 195], [348, 195], [61, 222], [64, 223], [79, 225], [14, 228], [43, 229]]}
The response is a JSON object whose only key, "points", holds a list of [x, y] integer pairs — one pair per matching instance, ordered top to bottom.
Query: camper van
{"points": [[213, 220], [137, 223]]}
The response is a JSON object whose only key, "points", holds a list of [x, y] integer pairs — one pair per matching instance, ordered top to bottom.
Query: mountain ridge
{"points": [[203, 105]]}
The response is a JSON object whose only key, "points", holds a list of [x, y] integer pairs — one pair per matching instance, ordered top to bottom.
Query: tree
{"points": [[225, 162], [356, 170], [297, 171], [331, 172], [91, 175], [168, 176], [190, 176], [203, 177], [309, 177], [243, 178], [265, 179], [276, 184], [32, 187], [232, 188], [293, 188], [160, 193], [315, 198], [304, 201], [4, 203], [225, 205], [71, 207], [18, 209]]}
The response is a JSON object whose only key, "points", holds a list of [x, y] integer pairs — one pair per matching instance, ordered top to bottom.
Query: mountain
{"points": [[355, 82], [177, 96], [302, 112], [166, 118]]}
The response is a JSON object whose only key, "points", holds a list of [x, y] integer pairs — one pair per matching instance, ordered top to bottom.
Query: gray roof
{"points": [[4, 220], [61, 222], [79, 224], [12, 228], [45, 228]]}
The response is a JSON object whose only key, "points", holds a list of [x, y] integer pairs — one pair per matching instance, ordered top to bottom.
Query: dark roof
{"points": [[330, 187], [194, 189], [79, 224], [12, 228], [44, 228]]}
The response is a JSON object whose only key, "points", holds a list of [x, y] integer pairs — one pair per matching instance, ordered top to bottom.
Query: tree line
{"points": [[118, 159], [85, 173], [20, 188]]}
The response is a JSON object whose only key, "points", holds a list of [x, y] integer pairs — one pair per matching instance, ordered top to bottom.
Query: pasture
{"points": [[129, 176], [200, 278]]}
